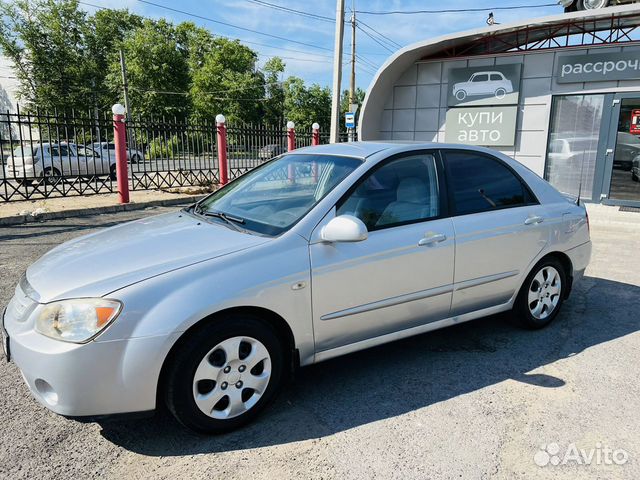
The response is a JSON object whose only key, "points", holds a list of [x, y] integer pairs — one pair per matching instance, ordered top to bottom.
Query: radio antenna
{"points": [[584, 154]]}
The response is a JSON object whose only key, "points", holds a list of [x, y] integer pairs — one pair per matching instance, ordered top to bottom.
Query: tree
{"points": [[107, 29], [45, 40], [157, 71], [227, 82], [358, 98], [303, 105], [273, 106]]}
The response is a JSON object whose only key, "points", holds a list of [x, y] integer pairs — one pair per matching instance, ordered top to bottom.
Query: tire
{"points": [[591, 4], [500, 93], [461, 95], [135, 158], [50, 172], [113, 175], [527, 301], [224, 403]]}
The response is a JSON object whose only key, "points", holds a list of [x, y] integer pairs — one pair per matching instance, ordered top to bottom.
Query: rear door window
{"points": [[480, 183]]}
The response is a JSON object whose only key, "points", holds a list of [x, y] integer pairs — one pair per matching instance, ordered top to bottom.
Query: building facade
{"points": [[559, 94]]}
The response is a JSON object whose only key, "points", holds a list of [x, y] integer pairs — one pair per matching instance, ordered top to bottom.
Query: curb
{"points": [[81, 212]]}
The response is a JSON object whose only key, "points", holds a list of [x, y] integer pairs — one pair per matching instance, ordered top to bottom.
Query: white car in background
{"points": [[573, 5], [483, 83], [108, 150], [41, 160]]}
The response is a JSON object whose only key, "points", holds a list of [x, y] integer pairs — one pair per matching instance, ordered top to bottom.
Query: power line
{"points": [[292, 10], [453, 10], [226, 24], [231, 38], [373, 38], [391, 42], [366, 62]]}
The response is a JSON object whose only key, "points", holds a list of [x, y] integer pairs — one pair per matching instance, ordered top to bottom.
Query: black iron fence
{"points": [[47, 155]]}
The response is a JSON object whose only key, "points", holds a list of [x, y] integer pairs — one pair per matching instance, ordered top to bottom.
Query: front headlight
{"points": [[76, 320]]}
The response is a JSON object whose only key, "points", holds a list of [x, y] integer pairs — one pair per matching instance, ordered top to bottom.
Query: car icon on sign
{"points": [[483, 83]]}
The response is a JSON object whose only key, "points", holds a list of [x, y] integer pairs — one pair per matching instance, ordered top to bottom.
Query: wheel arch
{"points": [[566, 263], [270, 318]]}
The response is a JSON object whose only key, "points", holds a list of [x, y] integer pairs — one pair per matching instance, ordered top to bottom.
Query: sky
{"points": [[306, 44]]}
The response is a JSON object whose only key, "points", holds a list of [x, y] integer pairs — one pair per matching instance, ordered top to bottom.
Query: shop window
{"points": [[573, 143]]}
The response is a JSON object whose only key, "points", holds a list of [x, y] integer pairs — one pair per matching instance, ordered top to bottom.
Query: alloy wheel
{"points": [[544, 292], [232, 377]]}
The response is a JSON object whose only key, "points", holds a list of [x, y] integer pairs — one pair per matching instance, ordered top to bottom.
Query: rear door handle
{"points": [[533, 220], [431, 239]]}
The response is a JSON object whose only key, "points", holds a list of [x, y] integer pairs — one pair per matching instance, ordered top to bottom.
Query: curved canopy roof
{"points": [[556, 31]]}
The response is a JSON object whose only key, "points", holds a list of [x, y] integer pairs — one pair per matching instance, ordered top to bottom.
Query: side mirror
{"points": [[345, 228]]}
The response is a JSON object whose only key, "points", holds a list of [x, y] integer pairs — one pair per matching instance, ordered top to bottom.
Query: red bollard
{"points": [[291, 136], [120, 140], [315, 141], [291, 145], [222, 150]]}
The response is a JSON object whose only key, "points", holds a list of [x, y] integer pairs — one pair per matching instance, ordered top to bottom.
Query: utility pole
{"points": [[337, 72], [352, 83], [125, 85]]}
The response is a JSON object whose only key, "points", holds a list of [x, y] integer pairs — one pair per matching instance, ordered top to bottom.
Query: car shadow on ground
{"points": [[407, 375]]}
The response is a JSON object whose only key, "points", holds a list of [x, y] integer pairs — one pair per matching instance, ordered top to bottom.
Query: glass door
{"points": [[623, 150]]}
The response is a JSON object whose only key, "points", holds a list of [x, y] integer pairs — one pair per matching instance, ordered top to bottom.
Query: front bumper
{"points": [[91, 379]]}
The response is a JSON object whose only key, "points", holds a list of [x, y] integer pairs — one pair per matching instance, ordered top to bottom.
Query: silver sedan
{"points": [[317, 253]]}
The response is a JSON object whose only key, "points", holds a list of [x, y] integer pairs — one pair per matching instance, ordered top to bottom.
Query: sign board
{"points": [[597, 67], [490, 85], [350, 120], [487, 126], [634, 127]]}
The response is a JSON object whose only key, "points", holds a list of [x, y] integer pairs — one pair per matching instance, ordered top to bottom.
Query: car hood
{"points": [[102, 262]]}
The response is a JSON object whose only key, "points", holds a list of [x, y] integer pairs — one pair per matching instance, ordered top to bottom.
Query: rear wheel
{"points": [[592, 4], [500, 93], [112, 172], [634, 177], [541, 295], [225, 374]]}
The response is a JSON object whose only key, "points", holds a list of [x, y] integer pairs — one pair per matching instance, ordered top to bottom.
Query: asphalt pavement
{"points": [[478, 400]]}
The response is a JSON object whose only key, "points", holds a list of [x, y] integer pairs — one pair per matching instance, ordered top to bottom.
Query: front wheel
{"points": [[592, 4], [541, 295], [224, 374]]}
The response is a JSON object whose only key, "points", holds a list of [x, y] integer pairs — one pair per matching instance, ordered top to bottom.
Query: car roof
{"points": [[365, 149]]}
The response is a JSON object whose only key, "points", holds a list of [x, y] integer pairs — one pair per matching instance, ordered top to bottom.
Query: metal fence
{"points": [[47, 155]]}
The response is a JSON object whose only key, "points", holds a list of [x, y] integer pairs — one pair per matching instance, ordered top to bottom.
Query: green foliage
{"points": [[68, 59], [156, 70], [305, 105]]}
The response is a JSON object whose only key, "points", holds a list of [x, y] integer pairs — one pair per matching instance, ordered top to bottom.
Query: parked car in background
{"points": [[573, 5], [483, 83], [627, 148], [108, 149], [269, 151], [37, 160], [635, 169], [375, 242]]}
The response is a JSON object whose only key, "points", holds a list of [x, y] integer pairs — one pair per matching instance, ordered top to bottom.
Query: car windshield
{"points": [[273, 197]]}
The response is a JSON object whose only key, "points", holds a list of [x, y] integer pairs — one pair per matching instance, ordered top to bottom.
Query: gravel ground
{"points": [[477, 400]]}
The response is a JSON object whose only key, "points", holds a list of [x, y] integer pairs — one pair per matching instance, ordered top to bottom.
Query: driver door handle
{"points": [[533, 220], [431, 239]]}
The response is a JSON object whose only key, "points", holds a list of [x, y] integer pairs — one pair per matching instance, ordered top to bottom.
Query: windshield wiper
{"points": [[229, 220]]}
